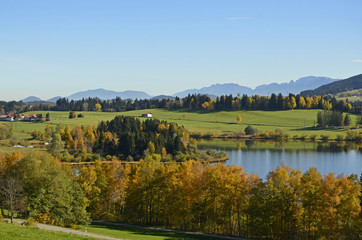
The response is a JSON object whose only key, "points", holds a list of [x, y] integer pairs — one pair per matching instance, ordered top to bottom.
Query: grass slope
{"points": [[293, 122], [11, 231], [135, 233]]}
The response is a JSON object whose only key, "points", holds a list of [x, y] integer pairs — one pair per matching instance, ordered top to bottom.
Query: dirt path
{"points": [[67, 230]]}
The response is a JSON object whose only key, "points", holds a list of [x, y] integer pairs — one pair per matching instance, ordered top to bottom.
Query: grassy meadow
{"points": [[294, 122], [135, 233]]}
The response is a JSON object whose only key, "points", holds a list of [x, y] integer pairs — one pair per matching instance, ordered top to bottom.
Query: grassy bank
{"points": [[11, 231]]}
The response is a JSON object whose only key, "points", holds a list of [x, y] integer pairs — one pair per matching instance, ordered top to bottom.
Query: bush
{"points": [[249, 130], [6, 131], [313, 137], [324, 137], [340, 138], [30, 222]]}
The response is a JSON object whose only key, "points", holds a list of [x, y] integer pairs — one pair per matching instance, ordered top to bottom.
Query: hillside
{"points": [[345, 85]]}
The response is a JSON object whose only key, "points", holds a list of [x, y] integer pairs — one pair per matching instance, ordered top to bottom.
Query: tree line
{"points": [[194, 102], [190, 196]]}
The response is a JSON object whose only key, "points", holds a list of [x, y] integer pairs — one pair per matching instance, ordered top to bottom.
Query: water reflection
{"points": [[260, 157]]}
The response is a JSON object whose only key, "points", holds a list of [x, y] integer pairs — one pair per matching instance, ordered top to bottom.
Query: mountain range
{"points": [[295, 87]]}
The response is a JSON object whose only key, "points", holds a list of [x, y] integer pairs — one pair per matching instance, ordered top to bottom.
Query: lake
{"points": [[260, 157]]}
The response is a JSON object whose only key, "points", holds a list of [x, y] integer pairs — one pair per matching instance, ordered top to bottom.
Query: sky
{"points": [[59, 47]]}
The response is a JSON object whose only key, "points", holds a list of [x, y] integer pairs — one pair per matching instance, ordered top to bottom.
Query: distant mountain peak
{"points": [[31, 99]]}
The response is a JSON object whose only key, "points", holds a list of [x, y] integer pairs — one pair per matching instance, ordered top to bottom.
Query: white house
{"points": [[7, 118]]}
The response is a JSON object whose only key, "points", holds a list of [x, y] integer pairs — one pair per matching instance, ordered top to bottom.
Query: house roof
{"points": [[30, 116]]}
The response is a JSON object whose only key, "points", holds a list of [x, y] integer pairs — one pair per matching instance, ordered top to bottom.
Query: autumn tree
{"points": [[98, 107], [239, 118]]}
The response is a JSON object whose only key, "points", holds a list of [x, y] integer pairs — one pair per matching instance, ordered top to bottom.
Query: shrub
{"points": [[249, 130], [313, 137], [324, 137], [340, 138], [30, 222]]}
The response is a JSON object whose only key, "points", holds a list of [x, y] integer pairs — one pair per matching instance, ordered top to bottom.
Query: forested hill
{"points": [[345, 85]]}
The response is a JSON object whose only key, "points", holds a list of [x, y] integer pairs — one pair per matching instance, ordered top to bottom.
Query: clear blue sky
{"points": [[58, 47]]}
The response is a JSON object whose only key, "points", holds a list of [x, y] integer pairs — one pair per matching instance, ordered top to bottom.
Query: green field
{"points": [[352, 96], [293, 122], [11, 232], [135, 233]]}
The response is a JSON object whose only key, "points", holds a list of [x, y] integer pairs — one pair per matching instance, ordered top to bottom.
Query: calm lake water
{"points": [[261, 157]]}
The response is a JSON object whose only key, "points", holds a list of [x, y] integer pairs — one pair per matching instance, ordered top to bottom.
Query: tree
{"points": [[291, 102], [301, 103], [85, 106], [98, 107], [71, 115], [47, 117], [239, 118], [347, 120], [249, 130], [6, 131], [48, 131], [56, 146], [151, 147], [11, 192], [52, 196]]}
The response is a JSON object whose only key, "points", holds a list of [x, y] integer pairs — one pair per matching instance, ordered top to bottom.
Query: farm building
{"points": [[148, 115], [8, 118], [30, 118]]}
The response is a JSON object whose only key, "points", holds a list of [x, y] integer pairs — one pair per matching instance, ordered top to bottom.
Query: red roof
{"points": [[30, 116]]}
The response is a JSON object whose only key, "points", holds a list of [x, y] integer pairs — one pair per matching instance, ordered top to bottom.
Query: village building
{"points": [[7, 118], [30, 118]]}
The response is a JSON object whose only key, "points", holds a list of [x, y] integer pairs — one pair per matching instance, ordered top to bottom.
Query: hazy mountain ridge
{"points": [[344, 85], [295, 87], [217, 90], [109, 94]]}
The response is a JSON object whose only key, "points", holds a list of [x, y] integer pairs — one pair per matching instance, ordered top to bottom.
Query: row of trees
{"points": [[192, 102], [203, 102], [333, 118], [190, 196], [225, 200]]}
